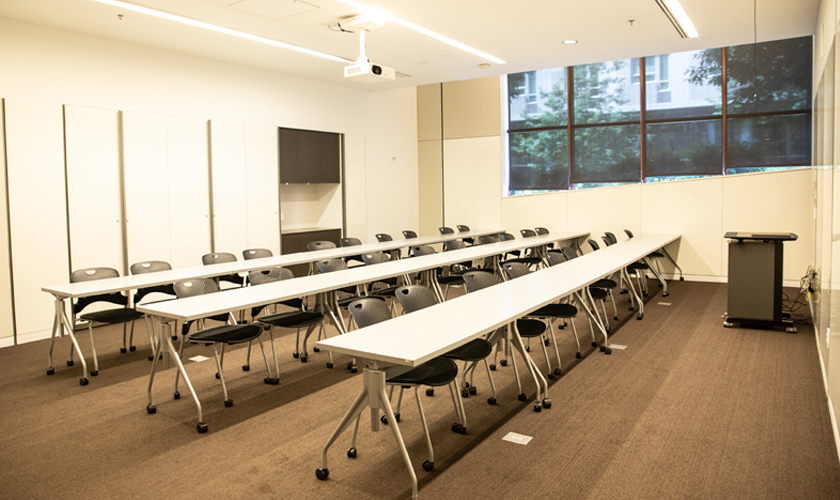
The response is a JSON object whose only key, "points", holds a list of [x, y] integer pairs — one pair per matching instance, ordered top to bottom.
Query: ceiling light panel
{"points": [[273, 9]]}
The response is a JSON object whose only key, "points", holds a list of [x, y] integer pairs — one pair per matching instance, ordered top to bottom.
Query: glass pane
{"points": [[771, 76], [688, 86], [605, 92], [538, 99], [768, 141], [684, 148], [607, 154], [539, 160]]}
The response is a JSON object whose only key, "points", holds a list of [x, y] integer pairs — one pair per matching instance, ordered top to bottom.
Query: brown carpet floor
{"points": [[688, 410]]}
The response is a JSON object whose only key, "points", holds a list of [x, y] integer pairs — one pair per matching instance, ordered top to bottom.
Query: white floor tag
{"points": [[515, 437]]}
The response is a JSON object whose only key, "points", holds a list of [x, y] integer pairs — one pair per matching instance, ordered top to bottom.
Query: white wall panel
{"points": [[262, 164], [472, 182], [230, 186], [94, 187], [146, 187], [189, 189], [355, 189], [775, 201], [37, 206], [691, 208], [600, 210], [528, 212], [6, 316]]}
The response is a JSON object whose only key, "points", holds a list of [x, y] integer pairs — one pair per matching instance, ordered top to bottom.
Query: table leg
{"points": [[665, 251], [658, 275], [636, 296], [587, 308], [60, 325], [542, 385], [373, 394]]}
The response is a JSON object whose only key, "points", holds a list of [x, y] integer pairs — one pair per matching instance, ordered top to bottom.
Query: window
{"points": [[690, 114]]}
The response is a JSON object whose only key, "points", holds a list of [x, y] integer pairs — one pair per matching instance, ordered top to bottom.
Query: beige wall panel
{"points": [[470, 108], [428, 112], [261, 160], [430, 166], [473, 182], [94, 187], [230, 187], [355, 188], [189, 189], [772, 201], [310, 205], [37, 206], [691, 208], [608, 209], [528, 212], [6, 316]]}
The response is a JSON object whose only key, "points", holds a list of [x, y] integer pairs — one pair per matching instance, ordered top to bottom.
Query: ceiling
{"points": [[527, 34]]}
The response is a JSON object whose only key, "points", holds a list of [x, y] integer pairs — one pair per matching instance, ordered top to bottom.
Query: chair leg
{"points": [[615, 310], [606, 316], [131, 338], [265, 359], [547, 361], [219, 363], [247, 365], [559, 369], [95, 370], [275, 380], [491, 400], [461, 425], [429, 464]]}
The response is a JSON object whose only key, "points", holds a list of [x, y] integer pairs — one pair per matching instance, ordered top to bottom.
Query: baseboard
{"points": [[717, 279], [25, 339]]}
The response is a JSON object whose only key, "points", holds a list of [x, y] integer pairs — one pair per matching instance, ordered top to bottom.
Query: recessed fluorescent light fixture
{"points": [[675, 13], [219, 29], [420, 29], [570, 42]]}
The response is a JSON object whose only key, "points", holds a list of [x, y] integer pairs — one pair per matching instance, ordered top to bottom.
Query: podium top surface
{"points": [[763, 236]]}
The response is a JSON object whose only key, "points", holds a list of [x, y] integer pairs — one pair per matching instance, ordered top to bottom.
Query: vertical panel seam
{"points": [[8, 219]]}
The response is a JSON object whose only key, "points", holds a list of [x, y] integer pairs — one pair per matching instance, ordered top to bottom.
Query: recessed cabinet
{"points": [[308, 156]]}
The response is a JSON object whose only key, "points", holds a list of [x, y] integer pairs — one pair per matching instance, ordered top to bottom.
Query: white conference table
{"points": [[203, 306], [62, 325], [407, 340]]}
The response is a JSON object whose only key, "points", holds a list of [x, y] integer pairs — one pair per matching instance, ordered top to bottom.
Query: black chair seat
{"points": [[656, 255], [525, 260], [638, 266], [464, 271], [233, 278], [451, 279], [604, 283], [166, 289], [384, 292], [598, 293], [556, 311], [120, 315], [291, 319], [529, 328], [229, 334], [475, 350], [434, 373]]}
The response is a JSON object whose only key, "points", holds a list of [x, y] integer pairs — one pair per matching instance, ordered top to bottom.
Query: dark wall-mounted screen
{"points": [[307, 156]]}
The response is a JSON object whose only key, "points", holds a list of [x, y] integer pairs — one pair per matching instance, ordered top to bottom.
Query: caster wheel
{"points": [[682, 279], [644, 294], [665, 294], [631, 308], [640, 316], [615, 318], [727, 324], [174, 338], [546, 343], [594, 344], [132, 348], [527, 348], [602, 348], [315, 349], [123, 350], [607, 351], [295, 355], [577, 355], [151, 358], [304, 358], [503, 362], [70, 363], [329, 365], [349, 365], [493, 367], [246, 368], [354, 370], [50, 371], [558, 371], [94, 373], [217, 375], [551, 376], [267, 380], [83, 381], [275, 381], [473, 391], [430, 392], [465, 394], [177, 395], [522, 397], [491, 401], [228, 403], [546, 403], [537, 407], [151, 409], [397, 416], [383, 419], [202, 427], [461, 429], [351, 453], [428, 466], [322, 473]]}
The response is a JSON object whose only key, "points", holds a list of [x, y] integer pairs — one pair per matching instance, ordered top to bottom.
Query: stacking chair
{"points": [[463, 229], [445, 230], [541, 231], [409, 234], [380, 237], [487, 239], [349, 242], [317, 245], [256, 253], [655, 256], [218, 258], [530, 258], [332, 265], [151, 266], [635, 269], [390, 283], [416, 297], [111, 316], [296, 318], [220, 336], [433, 373]]}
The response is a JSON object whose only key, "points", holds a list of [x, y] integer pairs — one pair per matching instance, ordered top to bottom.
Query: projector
{"points": [[368, 72]]}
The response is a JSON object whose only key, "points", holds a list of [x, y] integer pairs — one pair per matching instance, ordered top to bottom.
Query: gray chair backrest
{"points": [[462, 228], [446, 230], [541, 230], [527, 233], [629, 233], [409, 234], [383, 237], [507, 237], [610, 238], [484, 240], [350, 242], [319, 245], [454, 245], [594, 245], [419, 250], [256, 253], [569, 253], [555, 257], [217, 258], [375, 258], [330, 265], [150, 266], [516, 269], [93, 274], [269, 276], [476, 280], [196, 286], [415, 297], [369, 311]]}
